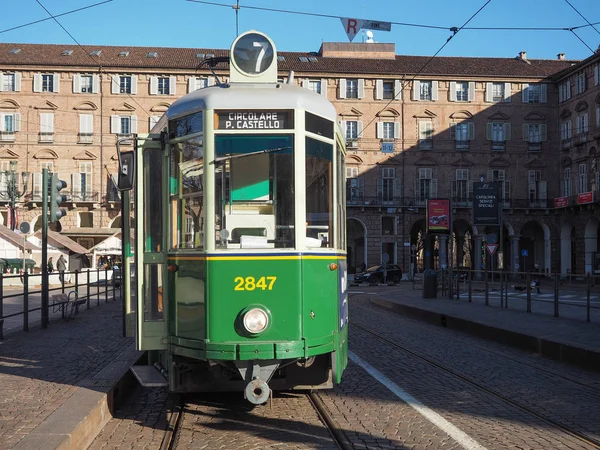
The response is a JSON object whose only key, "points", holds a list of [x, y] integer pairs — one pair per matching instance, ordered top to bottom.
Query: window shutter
{"points": [[210, 81], [17, 82], [37, 82], [56, 82], [1, 83], [76, 84], [95, 84], [134, 84], [191, 84], [305, 84], [153, 85], [172, 85], [115, 86], [324, 87], [342, 88], [361, 88], [378, 89], [568, 89], [397, 90], [416, 91], [434, 91], [452, 91], [471, 91], [507, 92], [525, 93], [543, 93], [560, 93], [489, 94], [598, 116], [17, 121], [2, 122], [47, 122], [86, 123], [586, 123], [115, 124], [134, 125], [343, 127], [359, 129], [489, 129], [379, 130], [396, 130], [471, 130], [452, 131], [507, 131], [526, 132], [543, 132], [87, 178], [76, 185], [434, 185], [37, 186], [379, 188], [397, 188], [417, 189], [543, 194]]}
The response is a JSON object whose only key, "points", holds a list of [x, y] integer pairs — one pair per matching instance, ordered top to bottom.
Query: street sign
{"points": [[353, 26], [387, 147], [485, 204], [25, 227], [491, 238], [491, 248], [524, 252], [385, 258]]}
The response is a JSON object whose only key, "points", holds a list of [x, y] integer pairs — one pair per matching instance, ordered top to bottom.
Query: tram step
{"points": [[149, 376]]}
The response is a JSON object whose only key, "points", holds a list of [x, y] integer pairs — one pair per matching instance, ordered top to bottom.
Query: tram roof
{"points": [[247, 96]]}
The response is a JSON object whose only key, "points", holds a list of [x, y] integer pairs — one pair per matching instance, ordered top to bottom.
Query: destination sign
{"points": [[254, 120]]}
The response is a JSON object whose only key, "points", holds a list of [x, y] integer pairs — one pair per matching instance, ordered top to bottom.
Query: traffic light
{"points": [[56, 198]]}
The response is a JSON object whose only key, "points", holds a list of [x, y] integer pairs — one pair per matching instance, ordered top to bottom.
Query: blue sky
{"points": [[179, 23]]}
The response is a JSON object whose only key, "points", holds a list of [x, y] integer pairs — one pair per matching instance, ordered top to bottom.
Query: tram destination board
{"points": [[254, 120], [485, 203]]}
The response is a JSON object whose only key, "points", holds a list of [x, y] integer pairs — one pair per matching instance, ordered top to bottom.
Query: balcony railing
{"points": [[7, 136], [46, 137], [582, 137], [86, 138], [425, 143], [566, 143], [462, 145], [498, 146], [535, 146], [78, 196], [457, 202]]}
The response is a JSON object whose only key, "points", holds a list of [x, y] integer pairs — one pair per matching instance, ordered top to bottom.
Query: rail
{"points": [[20, 295]]}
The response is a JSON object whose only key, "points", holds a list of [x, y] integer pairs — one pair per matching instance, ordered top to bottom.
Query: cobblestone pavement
{"points": [[37, 380], [371, 417]]}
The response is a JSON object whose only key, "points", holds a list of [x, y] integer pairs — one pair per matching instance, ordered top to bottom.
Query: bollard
{"points": [[77, 282], [528, 282], [62, 283], [106, 284], [97, 286], [486, 287], [457, 289], [470, 289], [88, 290], [506, 292], [555, 296], [25, 301], [588, 301]]}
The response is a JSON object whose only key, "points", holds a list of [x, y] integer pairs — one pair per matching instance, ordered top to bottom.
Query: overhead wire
{"points": [[582, 16]]}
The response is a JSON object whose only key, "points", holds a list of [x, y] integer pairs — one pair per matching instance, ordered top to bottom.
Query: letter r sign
{"points": [[351, 26]]}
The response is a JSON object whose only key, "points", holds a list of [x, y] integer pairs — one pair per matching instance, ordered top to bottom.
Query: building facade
{"points": [[416, 128]]}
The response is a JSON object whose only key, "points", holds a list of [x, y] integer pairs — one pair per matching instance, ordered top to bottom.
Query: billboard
{"points": [[585, 197], [561, 202], [485, 203], [438, 216]]}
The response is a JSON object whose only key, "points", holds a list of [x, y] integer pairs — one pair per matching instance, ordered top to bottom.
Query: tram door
{"points": [[150, 246]]}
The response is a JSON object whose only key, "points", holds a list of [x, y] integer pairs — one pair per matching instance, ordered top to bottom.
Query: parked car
{"points": [[375, 274]]}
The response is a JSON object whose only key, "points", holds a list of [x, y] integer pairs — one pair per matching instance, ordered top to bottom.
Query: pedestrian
{"points": [[50, 265], [61, 265]]}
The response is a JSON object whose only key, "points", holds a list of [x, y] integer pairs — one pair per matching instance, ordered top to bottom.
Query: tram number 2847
{"points": [[251, 283]]}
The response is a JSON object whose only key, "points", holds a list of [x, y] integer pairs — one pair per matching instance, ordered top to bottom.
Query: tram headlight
{"points": [[255, 320]]}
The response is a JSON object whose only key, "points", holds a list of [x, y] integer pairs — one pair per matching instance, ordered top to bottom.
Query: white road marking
{"points": [[453, 431]]}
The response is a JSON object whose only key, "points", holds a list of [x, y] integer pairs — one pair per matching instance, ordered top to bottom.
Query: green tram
{"points": [[235, 257]]}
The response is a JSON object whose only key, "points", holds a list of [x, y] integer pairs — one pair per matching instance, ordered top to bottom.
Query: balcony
{"points": [[7, 136], [86, 138], [582, 138], [425, 144], [566, 144], [462, 145], [498, 146], [535, 146], [83, 197]]}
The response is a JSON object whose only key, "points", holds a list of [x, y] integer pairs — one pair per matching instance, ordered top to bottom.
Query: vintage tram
{"points": [[235, 254]]}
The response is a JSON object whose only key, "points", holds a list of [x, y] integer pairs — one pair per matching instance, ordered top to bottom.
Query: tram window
{"points": [[186, 125], [319, 125], [186, 187], [153, 191], [254, 193], [319, 193], [341, 200], [153, 293]]}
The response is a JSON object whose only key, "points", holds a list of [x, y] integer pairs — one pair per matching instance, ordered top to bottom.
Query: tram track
{"points": [[337, 435], [582, 437]]}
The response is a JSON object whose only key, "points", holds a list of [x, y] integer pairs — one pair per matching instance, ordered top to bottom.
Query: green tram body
{"points": [[239, 206]]}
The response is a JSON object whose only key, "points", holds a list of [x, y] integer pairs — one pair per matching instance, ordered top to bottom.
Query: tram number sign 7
{"points": [[261, 54], [251, 283]]}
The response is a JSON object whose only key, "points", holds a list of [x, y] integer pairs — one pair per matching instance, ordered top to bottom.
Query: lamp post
{"points": [[11, 189]]}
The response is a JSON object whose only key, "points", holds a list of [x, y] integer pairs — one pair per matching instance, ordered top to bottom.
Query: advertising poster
{"points": [[485, 203], [438, 216]]}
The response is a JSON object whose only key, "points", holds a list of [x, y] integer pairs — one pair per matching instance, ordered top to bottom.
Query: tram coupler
{"points": [[257, 391]]}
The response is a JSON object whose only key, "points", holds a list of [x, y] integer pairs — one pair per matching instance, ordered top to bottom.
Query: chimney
{"points": [[523, 55], [561, 56]]}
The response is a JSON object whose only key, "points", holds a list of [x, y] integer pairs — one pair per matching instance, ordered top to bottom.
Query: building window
{"points": [[8, 82], [47, 82], [580, 82], [86, 83], [125, 84], [164, 86], [315, 86], [352, 88], [388, 90], [425, 91], [462, 91], [564, 91], [497, 92], [534, 93], [9, 124], [582, 125], [123, 126], [47, 127], [86, 128], [351, 129], [388, 130], [462, 133], [498, 133], [566, 133], [425, 134], [534, 134], [499, 176], [81, 183], [582, 184], [354, 186], [425, 186], [461, 186], [567, 189], [386, 190], [537, 192], [387, 225]]}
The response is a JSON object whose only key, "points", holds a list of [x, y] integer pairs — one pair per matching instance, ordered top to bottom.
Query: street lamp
{"points": [[11, 189]]}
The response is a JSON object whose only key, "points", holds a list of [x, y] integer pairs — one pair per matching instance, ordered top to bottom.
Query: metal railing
{"points": [[20, 295]]}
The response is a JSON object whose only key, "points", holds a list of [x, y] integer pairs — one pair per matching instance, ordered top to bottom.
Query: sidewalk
{"points": [[560, 338], [59, 384]]}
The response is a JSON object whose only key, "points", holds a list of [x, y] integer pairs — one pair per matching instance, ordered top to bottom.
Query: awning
{"points": [[89, 232], [15, 239], [60, 241], [109, 246]]}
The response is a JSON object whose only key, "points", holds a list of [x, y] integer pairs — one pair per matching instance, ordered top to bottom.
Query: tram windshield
{"points": [[254, 191]]}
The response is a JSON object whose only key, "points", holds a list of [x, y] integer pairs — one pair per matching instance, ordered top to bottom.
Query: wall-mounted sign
{"points": [[254, 120], [387, 147], [585, 197], [561, 202], [485, 203], [438, 216]]}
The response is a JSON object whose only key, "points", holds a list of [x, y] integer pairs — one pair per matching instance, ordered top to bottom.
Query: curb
{"points": [[584, 358], [77, 422]]}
